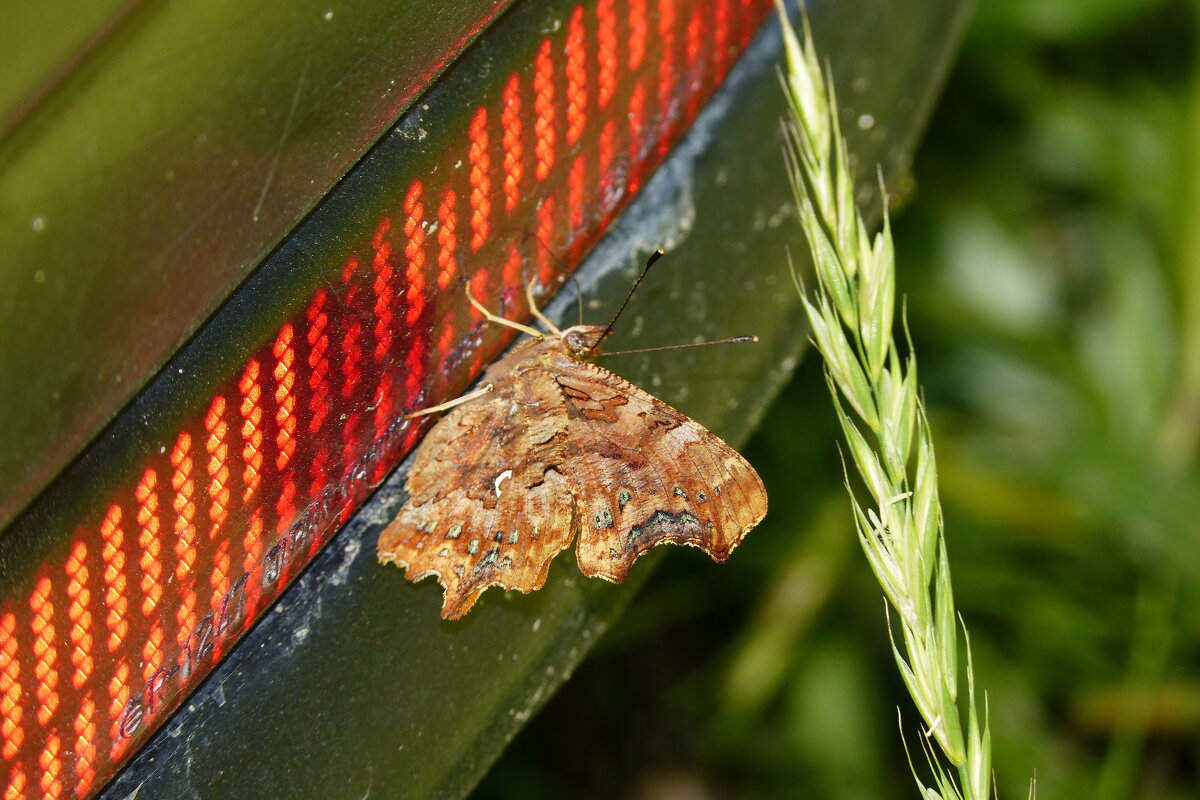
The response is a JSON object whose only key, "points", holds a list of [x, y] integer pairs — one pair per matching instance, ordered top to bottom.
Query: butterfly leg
{"points": [[537, 312], [490, 317], [449, 404]]}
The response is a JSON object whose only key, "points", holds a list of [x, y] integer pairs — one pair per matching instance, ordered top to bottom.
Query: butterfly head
{"points": [[584, 340]]}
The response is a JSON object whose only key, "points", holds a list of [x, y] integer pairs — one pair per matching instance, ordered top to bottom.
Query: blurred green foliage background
{"points": [[1049, 250]]}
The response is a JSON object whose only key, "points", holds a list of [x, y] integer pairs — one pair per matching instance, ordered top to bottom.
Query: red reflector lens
{"points": [[128, 608]]}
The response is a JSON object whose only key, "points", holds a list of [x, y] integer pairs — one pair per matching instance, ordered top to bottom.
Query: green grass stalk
{"points": [[877, 401]]}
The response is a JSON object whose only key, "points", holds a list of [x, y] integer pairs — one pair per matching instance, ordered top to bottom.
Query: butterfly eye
{"points": [[576, 342]]}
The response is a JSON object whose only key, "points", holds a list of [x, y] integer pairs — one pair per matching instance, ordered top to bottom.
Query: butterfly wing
{"points": [[652, 474], [489, 504]]}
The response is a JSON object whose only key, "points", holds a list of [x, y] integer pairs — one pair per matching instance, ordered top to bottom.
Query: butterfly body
{"points": [[563, 450]]}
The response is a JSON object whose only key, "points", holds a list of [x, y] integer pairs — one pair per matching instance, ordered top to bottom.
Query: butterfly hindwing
{"points": [[489, 504]]}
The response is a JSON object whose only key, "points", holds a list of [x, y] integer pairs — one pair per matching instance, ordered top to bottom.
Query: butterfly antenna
{"points": [[655, 256], [578, 296], [730, 340]]}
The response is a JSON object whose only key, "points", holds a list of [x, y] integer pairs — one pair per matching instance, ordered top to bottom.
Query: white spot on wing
{"points": [[501, 478]]}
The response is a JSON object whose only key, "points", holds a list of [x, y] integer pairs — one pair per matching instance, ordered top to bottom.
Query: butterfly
{"points": [[556, 449]]}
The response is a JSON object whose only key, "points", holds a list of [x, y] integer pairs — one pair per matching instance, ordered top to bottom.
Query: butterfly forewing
{"points": [[653, 476]]}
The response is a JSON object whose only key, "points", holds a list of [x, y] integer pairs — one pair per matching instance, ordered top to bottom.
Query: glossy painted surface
{"points": [[151, 154]]}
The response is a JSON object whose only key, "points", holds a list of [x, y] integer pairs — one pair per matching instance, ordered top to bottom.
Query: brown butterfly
{"points": [[553, 449]]}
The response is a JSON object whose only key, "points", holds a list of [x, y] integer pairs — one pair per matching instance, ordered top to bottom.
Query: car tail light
{"points": [[148, 559]]}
